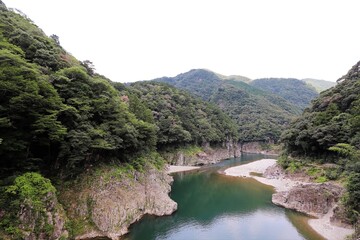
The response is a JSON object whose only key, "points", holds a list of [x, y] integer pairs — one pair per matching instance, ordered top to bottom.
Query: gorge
{"points": [[84, 157]]}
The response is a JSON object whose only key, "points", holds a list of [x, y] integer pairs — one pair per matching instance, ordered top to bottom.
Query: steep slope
{"points": [[319, 85], [293, 90], [52, 101], [259, 115], [333, 118], [329, 132]]}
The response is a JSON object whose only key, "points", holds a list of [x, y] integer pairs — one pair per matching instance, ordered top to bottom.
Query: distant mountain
{"points": [[234, 78], [319, 85], [293, 90], [260, 115]]}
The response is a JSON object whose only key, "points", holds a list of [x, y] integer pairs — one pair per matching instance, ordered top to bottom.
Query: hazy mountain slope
{"points": [[234, 78], [319, 85], [295, 91], [267, 96], [259, 115]]}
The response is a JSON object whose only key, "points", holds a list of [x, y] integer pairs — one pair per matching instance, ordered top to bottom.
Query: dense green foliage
{"points": [[319, 85], [293, 90], [58, 115], [259, 115], [181, 118], [333, 118], [329, 131], [30, 192]]}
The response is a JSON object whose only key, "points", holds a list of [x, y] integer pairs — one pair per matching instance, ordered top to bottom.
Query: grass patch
{"points": [[190, 150], [294, 166], [313, 171], [321, 179]]}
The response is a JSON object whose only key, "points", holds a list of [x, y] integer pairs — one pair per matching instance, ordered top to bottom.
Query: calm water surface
{"points": [[215, 206]]}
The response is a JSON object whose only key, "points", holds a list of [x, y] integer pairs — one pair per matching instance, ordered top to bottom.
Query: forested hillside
{"points": [[293, 90], [56, 113], [260, 115], [59, 118], [181, 118], [333, 118], [329, 132]]}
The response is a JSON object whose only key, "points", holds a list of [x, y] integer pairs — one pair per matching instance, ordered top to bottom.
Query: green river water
{"points": [[215, 206]]}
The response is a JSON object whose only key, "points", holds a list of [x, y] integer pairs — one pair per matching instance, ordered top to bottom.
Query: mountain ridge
{"points": [[248, 106]]}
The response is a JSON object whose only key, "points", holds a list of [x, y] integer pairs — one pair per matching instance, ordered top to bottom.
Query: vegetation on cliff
{"points": [[329, 132], [29, 208]]}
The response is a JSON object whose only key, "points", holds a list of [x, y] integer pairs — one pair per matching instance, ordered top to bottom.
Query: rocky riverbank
{"points": [[315, 199], [106, 202]]}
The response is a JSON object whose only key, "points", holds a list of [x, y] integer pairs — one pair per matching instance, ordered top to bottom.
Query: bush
{"points": [[284, 161], [332, 173], [30, 188], [28, 191], [353, 199]]}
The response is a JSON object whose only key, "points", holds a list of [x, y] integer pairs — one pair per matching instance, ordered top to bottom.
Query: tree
{"points": [[56, 39], [89, 66]]}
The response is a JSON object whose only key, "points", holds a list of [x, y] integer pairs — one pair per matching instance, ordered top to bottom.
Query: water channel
{"points": [[215, 206]]}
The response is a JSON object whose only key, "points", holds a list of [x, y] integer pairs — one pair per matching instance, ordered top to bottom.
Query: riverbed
{"points": [[216, 206]]}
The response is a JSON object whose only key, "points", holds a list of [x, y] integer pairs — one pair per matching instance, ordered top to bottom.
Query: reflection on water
{"points": [[215, 206], [300, 221]]}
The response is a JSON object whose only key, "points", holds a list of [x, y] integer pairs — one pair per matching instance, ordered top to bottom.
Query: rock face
{"points": [[257, 147], [210, 155], [313, 199], [111, 203], [339, 217], [35, 225]]}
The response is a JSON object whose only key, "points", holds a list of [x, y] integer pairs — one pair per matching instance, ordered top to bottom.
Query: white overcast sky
{"points": [[130, 40]]}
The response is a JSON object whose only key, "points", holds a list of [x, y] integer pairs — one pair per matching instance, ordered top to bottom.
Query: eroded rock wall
{"points": [[259, 147], [209, 155], [314, 199], [110, 203], [48, 224]]}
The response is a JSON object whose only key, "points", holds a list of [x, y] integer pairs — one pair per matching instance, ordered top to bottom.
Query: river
{"points": [[215, 206]]}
